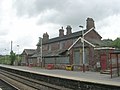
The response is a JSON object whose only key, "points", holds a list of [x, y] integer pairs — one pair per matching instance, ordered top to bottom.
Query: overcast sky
{"points": [[23, 21]]}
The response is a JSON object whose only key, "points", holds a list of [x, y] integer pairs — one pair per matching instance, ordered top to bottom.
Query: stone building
{"points": [[66, 49], [55, 51], [27, 57]]}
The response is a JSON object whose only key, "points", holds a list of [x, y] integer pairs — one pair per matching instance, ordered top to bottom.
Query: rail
{"points": [[35, 81], [6, 86]]}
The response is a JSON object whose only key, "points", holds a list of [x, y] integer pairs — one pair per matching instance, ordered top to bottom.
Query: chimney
{"points": [[90, 23], [68, 28], [61, 32], [45, 37]]}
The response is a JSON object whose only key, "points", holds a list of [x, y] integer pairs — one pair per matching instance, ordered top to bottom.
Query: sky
{"points": [[24, 21]]}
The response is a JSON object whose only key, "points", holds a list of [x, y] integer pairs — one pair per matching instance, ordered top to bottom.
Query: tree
{"points": [[116, 43], [12, 57]]}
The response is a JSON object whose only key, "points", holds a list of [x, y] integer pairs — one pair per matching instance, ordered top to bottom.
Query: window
{"points": [[62, 44], [49, 47]]}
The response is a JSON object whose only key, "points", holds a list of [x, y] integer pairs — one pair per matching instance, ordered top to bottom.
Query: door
{"points": [[76, 60], [103, 61]]}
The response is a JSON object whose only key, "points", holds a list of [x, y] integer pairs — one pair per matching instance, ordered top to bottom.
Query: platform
{"points": [[93, 77]]}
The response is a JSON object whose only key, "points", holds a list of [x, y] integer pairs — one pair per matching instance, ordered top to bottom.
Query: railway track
{"points": [[31, 80], [31, 83], [6, 86]]}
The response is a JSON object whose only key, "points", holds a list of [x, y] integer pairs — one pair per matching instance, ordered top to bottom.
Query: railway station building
{"points": [[67, 49]]}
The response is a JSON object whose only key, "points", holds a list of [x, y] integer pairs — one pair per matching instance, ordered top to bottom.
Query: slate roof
{"points": [[65, 37], [29, 51], [56, 53]]}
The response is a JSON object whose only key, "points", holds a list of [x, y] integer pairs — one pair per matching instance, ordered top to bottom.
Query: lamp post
{"points": [[83, 48], [41, 51], [18, 54], [5, 56]]}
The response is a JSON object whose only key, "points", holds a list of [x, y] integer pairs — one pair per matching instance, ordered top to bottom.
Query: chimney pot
{"points": [[68, 28], [61, 32], [45, 37]]}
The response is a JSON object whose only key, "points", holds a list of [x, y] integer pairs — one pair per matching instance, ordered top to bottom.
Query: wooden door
{"points": [[103, 61]]}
